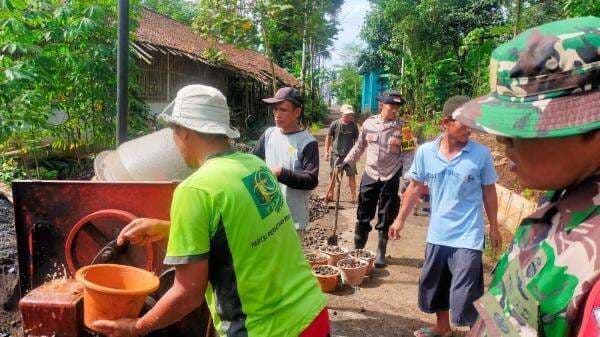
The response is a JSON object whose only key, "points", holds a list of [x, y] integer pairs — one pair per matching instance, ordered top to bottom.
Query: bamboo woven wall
{"points": [[166, 73]]}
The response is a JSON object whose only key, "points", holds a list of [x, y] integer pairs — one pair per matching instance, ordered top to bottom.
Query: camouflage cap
{"points": [[545, 82]]}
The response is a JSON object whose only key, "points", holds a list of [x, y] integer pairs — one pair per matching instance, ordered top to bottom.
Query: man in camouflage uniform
{"points": [[545, 108]]}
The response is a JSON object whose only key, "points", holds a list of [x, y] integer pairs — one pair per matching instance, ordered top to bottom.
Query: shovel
{"points": [[337, 176]]}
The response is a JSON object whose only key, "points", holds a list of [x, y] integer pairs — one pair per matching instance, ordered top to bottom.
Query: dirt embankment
{"points": [[506, 178], [9, 317]]}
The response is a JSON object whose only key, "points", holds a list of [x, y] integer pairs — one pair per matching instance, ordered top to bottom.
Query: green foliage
{"points": [[574, 8], [180, 10], [225, 20], [285, 31], [213, 55], [425, 59], [432, 62], [58, 75], [345, 80], [347, 86], [316, 126], [424, 130], [49, 168], [10, 170], [529, 194], [492, 255]]}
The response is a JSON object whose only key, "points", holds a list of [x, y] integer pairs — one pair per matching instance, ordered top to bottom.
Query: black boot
{"points": [[360, 237], [381, 246]]}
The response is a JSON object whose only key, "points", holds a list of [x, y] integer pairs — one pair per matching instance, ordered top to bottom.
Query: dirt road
{"points": [[386, 303]]}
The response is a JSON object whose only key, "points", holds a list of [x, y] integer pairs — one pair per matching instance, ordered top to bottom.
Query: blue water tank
{"points": [[373, 84]]}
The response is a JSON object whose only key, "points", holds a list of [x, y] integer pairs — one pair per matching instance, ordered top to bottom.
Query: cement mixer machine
{"points": [[64, 225]]}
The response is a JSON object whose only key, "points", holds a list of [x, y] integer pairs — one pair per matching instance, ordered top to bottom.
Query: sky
{"points": [[351, 20]]}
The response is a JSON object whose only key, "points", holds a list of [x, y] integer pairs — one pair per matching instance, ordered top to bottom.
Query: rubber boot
{"points": [[360, 237], [381, 246]]}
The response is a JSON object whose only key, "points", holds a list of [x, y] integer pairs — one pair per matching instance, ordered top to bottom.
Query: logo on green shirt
{"points": [[264, 191]]}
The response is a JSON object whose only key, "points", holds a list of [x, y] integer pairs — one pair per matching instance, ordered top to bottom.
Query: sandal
{"points": [[427, 332]]}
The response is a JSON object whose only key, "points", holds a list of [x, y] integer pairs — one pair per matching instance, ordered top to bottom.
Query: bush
{"points": [[58, 75], [316, 126], [10, 170]]}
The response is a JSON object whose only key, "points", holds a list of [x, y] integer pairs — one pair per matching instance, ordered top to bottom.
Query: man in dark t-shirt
{"points": [[342, 135]]}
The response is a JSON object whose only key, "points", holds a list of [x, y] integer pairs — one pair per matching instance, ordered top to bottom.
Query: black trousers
{"points": [[380, 196]]}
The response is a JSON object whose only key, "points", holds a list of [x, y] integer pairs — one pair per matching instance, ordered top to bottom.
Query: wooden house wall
{"points": [[168, 73], [160, 81], [244, 96]]}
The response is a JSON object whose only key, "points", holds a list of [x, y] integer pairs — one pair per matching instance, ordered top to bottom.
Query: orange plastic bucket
{"points": [[112, 291]]}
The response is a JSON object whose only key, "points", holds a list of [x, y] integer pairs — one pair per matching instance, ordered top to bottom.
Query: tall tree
{"points": [[227, 21], [400, 32], [294, 34]]}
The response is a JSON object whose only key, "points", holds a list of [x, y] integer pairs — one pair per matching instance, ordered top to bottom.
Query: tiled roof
{"points": [[161, 31]]}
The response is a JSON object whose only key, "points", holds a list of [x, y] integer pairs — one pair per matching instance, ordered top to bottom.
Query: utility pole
{"points": [[122, 71]]}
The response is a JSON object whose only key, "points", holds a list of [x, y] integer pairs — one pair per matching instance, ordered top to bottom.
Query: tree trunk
{"points": [[517, 17], [304, 34], [269, 55], [402, 66], [312, 78], [317, 88]]}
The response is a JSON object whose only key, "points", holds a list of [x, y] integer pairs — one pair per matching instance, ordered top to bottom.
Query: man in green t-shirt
{"points": [[231, 237]]}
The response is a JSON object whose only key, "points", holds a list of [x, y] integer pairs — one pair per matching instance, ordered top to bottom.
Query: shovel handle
{"points": [[338, 175], [338, 178]]}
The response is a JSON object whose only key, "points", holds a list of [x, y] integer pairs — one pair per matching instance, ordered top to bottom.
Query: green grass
{"points": [[316, 126]]}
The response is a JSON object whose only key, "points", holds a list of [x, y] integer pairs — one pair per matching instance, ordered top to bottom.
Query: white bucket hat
{"points": [[200, 108], [346, 109]]}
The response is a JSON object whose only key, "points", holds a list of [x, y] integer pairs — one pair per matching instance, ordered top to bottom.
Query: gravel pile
{"points": [[242, 147], [85, 173], [317, 207], [316, 238], [8, 241], [333, 250], [361, 254], [314, 257], [350, 263], [324, 270]]}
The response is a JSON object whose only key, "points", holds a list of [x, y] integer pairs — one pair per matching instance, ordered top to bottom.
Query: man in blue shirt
{"points": [[460, 175]]}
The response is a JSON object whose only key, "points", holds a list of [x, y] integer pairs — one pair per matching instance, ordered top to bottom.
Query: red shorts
{"points": [[319, 327]]}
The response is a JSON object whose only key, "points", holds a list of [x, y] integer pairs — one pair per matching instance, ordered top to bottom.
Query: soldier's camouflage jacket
{"points": [[542, 281]]}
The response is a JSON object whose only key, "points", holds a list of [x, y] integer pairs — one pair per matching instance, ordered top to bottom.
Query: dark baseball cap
{"points": [[286, 94], [391, 97], [452, 104]]}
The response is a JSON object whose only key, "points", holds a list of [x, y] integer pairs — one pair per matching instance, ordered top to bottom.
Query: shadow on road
{"points": [[405, 261], [376, 282], [367, 322]]}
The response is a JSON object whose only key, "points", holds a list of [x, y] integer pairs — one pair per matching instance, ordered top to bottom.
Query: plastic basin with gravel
{"points": [[335, 253], [366, 255], [316, 258], [353, 270], [328, 276]]}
